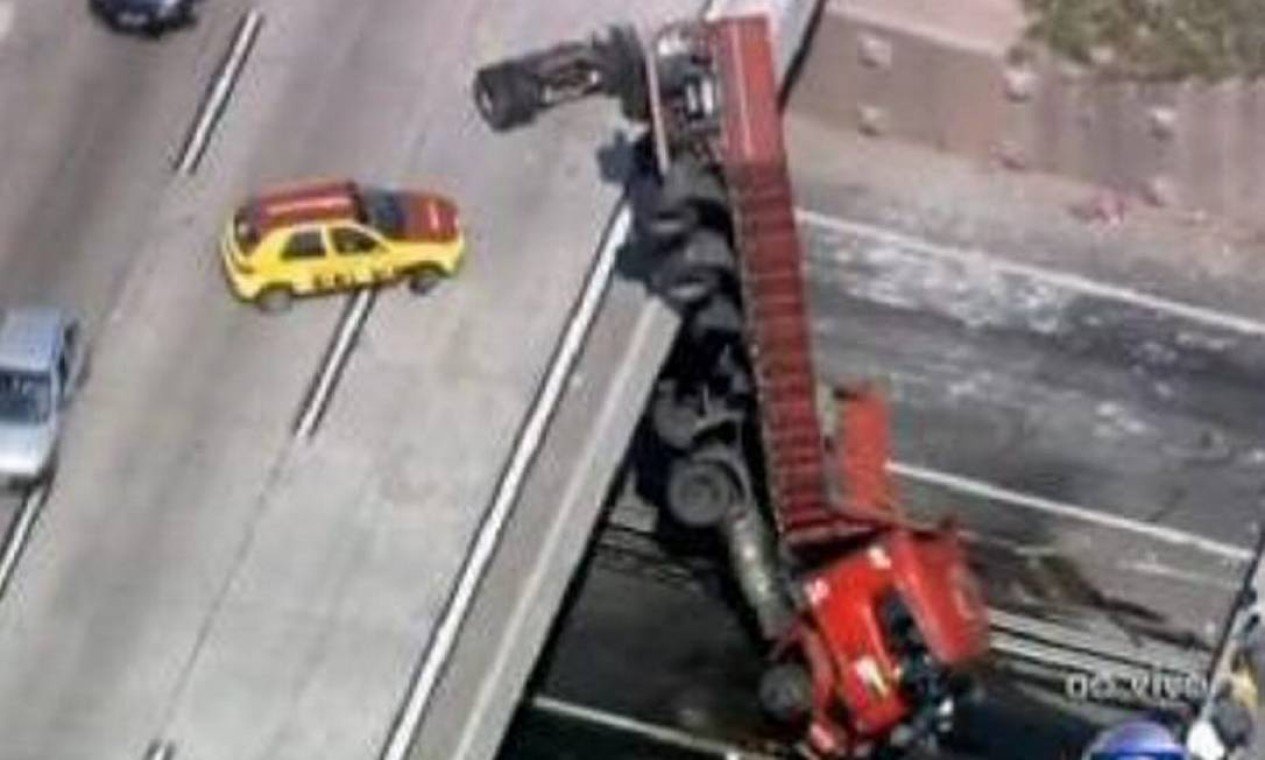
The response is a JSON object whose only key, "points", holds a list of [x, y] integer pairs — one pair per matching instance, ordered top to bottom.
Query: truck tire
{"points": [[624, 72], [506, 95], [689, 197], [694, 271], [719, 317], [739, 383], [673, 419], [705, 486], [786, 692]]}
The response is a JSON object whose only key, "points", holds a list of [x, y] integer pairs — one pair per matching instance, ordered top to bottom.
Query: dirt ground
{"points": [[1156, 39]]}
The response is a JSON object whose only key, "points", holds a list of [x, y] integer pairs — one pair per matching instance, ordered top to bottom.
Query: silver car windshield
{"points": [[25, 397]]}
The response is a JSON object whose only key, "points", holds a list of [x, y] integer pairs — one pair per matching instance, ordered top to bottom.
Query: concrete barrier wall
{"points": [[961, 83]]}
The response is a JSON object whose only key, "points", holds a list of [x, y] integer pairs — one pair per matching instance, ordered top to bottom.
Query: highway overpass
{"points": [[203, 582]]}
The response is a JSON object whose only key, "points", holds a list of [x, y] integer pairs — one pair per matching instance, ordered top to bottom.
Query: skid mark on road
{"points": [[969, 257], [1074, 512]]}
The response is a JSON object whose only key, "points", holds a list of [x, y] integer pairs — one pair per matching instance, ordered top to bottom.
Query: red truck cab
{"points": [[880, 628]]}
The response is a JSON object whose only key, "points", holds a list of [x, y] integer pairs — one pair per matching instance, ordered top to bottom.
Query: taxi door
{"points": [[363, 256], [306, 264]]}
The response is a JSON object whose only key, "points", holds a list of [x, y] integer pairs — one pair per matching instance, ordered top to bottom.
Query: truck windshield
{"points": [[383, 212], [25, 397]]}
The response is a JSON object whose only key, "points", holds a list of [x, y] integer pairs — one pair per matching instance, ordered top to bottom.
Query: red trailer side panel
{"points": [[754, 159]]}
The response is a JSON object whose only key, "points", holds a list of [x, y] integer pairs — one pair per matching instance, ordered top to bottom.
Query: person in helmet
{"points": [[1136, 740]]}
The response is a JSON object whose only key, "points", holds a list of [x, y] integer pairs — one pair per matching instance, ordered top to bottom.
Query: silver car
{"points": [[41, 365]]}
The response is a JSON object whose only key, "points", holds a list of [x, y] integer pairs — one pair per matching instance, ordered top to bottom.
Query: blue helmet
{"points": [[1136, 740]]}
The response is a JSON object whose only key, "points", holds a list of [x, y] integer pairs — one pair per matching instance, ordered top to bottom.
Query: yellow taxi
{"points": [[323, 237]]}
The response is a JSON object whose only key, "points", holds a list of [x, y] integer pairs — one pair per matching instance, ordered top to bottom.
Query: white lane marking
{"points": [[6, 18], [212, 108], [1210, 317], [349, 328], [531, 436], [1061, 509], [20, 533], [1149, 567], [1159, 570], [673, 737]]}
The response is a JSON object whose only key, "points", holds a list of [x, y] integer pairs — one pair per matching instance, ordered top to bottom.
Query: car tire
{"points": [[184, 15], [423, 281], [274, 299], [85, 369], [47, 475], [42, 479]]}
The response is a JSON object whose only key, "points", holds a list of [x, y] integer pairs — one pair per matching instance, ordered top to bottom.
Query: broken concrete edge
{"points": [[483, 679]]}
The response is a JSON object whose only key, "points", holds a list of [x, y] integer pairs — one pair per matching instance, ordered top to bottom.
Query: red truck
{"points": [[872, 621]]}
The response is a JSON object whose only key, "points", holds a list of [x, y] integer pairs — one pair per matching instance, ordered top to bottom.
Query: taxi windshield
{"points": [[382, 211], [25, 397]]}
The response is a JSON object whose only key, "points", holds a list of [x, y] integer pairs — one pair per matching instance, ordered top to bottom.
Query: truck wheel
{"points": [[624, 71], [506, 95], [690, 196], [693, 272], [424, 280], [274, 299], [720, 317], [738, 383], [673, 419], [702, 488], [786, 692]]}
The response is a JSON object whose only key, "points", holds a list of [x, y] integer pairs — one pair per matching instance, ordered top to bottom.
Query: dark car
{"points": [[144, 16]]}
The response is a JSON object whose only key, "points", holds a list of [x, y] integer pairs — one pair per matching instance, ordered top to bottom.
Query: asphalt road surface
{"points": [[88, 126], [1099, 420], [1095, 425], [197, 577], [654, 636]]}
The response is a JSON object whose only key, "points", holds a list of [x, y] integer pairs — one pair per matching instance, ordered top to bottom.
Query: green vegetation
{"points": [[1156, 39]]}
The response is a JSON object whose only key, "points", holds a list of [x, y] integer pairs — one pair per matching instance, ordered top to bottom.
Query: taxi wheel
{"points": [[424, 280], [274, 299]]}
